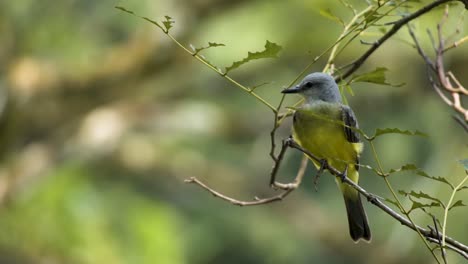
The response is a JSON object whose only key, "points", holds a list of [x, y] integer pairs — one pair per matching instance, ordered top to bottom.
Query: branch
{"points": [[396, 26], [447, 86], [287, 188], [430, 235]]}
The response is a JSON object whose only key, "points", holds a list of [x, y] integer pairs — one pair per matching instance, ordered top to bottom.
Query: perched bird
{"points": [[324, 126]]}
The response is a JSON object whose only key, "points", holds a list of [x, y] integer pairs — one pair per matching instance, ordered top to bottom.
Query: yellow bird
{"points": [[323, 126]]}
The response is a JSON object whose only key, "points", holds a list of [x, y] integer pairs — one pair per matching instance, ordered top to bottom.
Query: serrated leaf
{"points": [[327, 13], [153, 22], [168, 23], [210, 45], [271, 51], [376, 76], [383, 131], [464, 162], [420, 172], [420, 195], [457, 204], [418, 205]]}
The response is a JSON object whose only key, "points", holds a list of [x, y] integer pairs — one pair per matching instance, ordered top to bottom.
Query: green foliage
{"points": [[167, 23], [210, 45], [271, 51], [376, 76], [382, 131], [420, 172], [421, 195], [458, 203], [76, 215]]}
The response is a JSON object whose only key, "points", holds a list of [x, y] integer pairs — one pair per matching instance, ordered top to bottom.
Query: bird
{"points": [[327, 128]]}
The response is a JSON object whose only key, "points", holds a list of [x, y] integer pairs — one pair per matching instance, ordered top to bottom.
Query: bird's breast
{"points": [[318, 128]]}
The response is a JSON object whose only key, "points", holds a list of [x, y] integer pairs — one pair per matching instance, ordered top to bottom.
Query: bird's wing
{"points": [[350, 122]]}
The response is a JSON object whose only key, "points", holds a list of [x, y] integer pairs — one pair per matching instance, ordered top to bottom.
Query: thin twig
{"points": [[396, 26], [420, 50], [444, 85], [460, 121], [287, 188], [448, 206], [442, 249], [461, 252]]}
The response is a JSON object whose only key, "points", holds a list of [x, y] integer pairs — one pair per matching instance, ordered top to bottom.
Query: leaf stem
{"points": [[247, 90], [400, 206], [447, 208]]}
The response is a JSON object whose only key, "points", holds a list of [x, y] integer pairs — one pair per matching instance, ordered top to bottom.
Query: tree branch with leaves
{"points": [[362, 21]]}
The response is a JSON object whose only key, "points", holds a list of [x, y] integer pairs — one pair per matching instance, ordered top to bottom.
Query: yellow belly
{"points": [[315, 130]]}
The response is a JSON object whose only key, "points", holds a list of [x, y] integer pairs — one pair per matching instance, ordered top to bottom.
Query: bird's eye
{"points": [[308, 84]]}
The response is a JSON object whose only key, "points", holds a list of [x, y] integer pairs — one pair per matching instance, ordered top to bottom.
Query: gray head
{"points": [[317, 86]]}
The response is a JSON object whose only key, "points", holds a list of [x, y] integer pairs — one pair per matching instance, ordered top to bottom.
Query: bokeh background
{"points": [[102, 118]]}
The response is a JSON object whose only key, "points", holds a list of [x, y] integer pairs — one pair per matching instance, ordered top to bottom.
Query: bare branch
{"points": [[396, 26], [447, 86], [287, 188], [461, 252]]}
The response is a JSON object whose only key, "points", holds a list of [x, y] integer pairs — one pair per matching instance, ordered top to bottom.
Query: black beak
{"points": [[290, 90]]}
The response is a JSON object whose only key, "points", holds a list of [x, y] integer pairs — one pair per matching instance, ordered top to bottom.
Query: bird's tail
{"points": [[357, 219]]}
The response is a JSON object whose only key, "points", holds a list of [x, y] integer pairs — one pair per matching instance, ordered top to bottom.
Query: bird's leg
{"points": [[323, 165]]}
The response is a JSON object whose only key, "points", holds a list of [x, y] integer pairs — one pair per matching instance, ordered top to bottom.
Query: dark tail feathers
{"points": [[357, 219]]}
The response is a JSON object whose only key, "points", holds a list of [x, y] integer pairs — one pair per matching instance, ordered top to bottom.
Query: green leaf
{"points": [[124, 9], [327, 13], [153, 22], [168, 23], [210, 45], [271, 51], [376, 76], [383, 131], [464, 162], [420, 172], [462, 188], [421, 195], [457, 204], [418, 205]]}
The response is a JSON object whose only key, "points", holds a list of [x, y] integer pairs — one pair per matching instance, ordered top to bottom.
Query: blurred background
{"points": [[102, 118]]}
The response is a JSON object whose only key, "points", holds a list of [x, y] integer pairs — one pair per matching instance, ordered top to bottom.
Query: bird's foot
{"points": [[323, 165]]}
